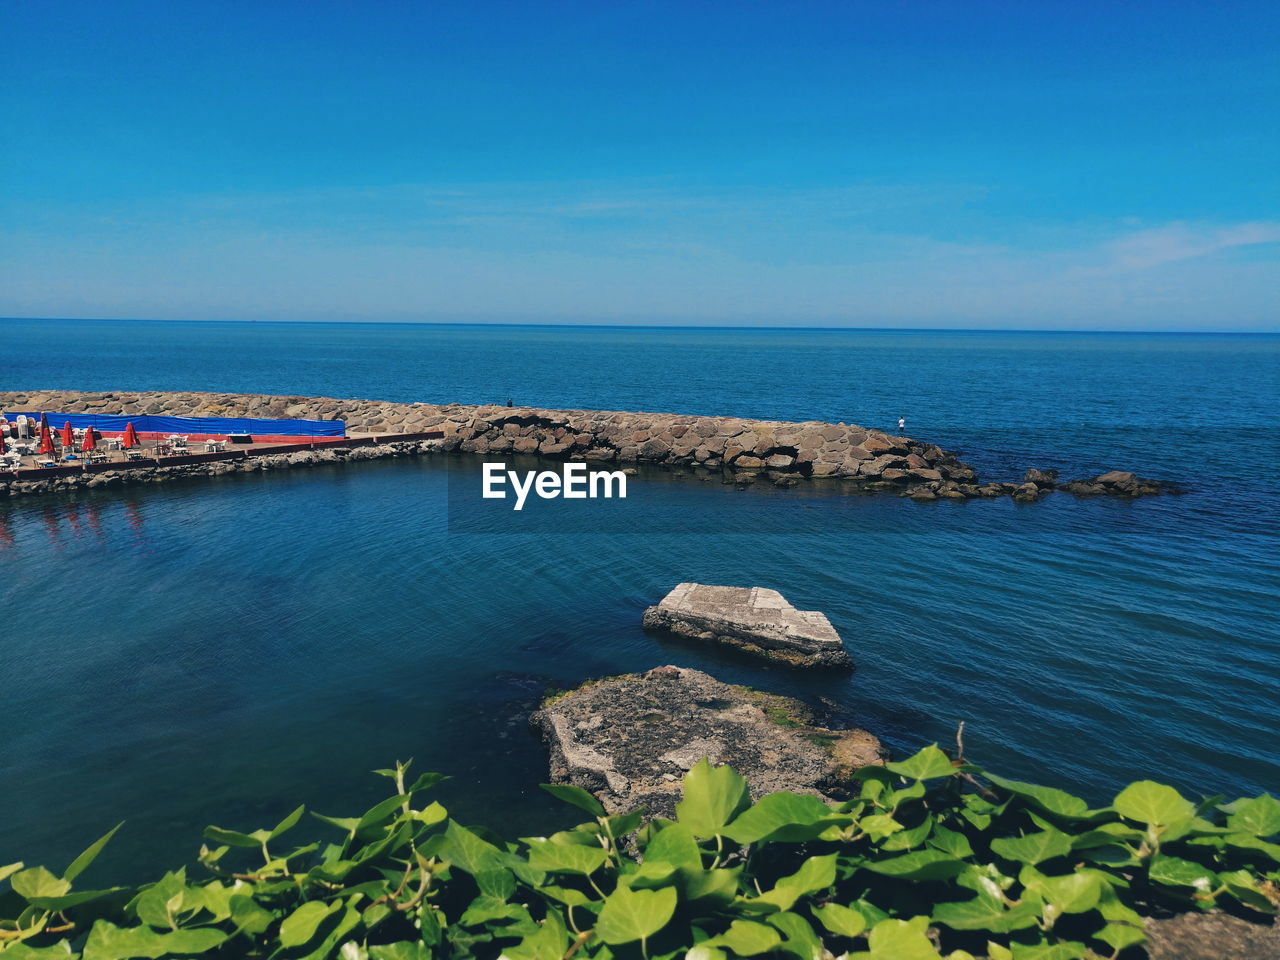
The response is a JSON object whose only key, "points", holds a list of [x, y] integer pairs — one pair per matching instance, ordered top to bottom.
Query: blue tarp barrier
{"points": [[105, 423]]}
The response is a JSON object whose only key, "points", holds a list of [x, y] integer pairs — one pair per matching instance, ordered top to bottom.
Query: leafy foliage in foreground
{"points": [[927, 861]]}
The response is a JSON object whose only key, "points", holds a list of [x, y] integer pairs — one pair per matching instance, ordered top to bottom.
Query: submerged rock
{"points": [[1047, 479], [1118, 483], [752, 619], [630, 739]]}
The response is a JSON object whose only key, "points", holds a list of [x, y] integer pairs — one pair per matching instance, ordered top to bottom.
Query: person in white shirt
{"points": [[902, 424]]}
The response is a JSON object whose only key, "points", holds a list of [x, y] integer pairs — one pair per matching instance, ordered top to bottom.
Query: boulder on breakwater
{"points": [[755, 620], [630, 739]]}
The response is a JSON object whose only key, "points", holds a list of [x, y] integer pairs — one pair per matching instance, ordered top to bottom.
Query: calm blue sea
{"points": [[220, 651]]}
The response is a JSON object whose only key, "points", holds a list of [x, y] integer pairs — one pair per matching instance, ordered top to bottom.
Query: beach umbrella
{"points": [[68, 436], [130, 437], [46, 438], [89, 440]]}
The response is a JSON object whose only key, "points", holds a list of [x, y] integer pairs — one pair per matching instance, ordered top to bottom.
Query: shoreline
{"points": [[745, 451]]}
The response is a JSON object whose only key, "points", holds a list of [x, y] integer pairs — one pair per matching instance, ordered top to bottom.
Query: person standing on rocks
{"points": [[902, 425]]}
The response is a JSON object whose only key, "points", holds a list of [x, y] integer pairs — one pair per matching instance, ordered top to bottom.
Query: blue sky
{"points": [[1017, 164]]}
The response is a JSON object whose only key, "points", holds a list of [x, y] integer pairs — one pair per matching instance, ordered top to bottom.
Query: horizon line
{"points": [[625, 325]]}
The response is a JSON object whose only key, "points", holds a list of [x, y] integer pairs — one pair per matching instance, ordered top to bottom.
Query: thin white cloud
{"points": [[1174, 242]]}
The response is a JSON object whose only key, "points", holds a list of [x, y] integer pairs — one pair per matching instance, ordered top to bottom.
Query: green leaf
{"points": [[928, 764], [426, 781], [577, 796], [713, 796], [1048, 799], [1149, 802], [380, 813], [1259, 816], [791, 817], [288, 823], [346, 824], [622, 824], [877, 826], [909, 837], [233, 838], [950, 841], [1247, 841], [674, 844], [1034, 847], [469, 852], [566, 857], [79, 864], [919, 865], [10, 870], [1176, 872], [816, 873], [38, 882], [496, 883], [1244, 887], [708, 888], [1072, 893], [68, 900], [153, 905], [485, 909], [987, 912], [629, 915], [248, 917], [348, 920], [840, 920], [301, 925], [1120, 935], [798, 937], [746, 938], [899, 940], [109, 942], [548, 942], [404, 950], [1061, 950], [55, 951]]}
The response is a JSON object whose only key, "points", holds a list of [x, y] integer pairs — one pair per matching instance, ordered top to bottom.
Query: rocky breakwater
{"points": [[745, 450], [741, 451], [141, 475], [755, 620], [630, 739]]}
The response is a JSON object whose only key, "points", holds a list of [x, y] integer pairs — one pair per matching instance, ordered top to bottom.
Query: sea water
{"points": [[222, 650]]}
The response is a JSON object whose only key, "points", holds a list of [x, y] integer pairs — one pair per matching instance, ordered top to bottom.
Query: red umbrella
{"points": [[68, 436], [130, 437], [46, 438], [89, 440]]}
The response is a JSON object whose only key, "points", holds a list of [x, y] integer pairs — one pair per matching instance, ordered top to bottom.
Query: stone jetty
{"points": [[743, 451], [232, 464], [755, 620], [630, 739]]}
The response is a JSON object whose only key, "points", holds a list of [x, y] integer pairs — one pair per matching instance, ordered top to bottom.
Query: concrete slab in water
{"points": [[753, 619]]}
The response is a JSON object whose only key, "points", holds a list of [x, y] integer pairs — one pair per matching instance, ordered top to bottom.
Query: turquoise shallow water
{"points": [[219, 651]]}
